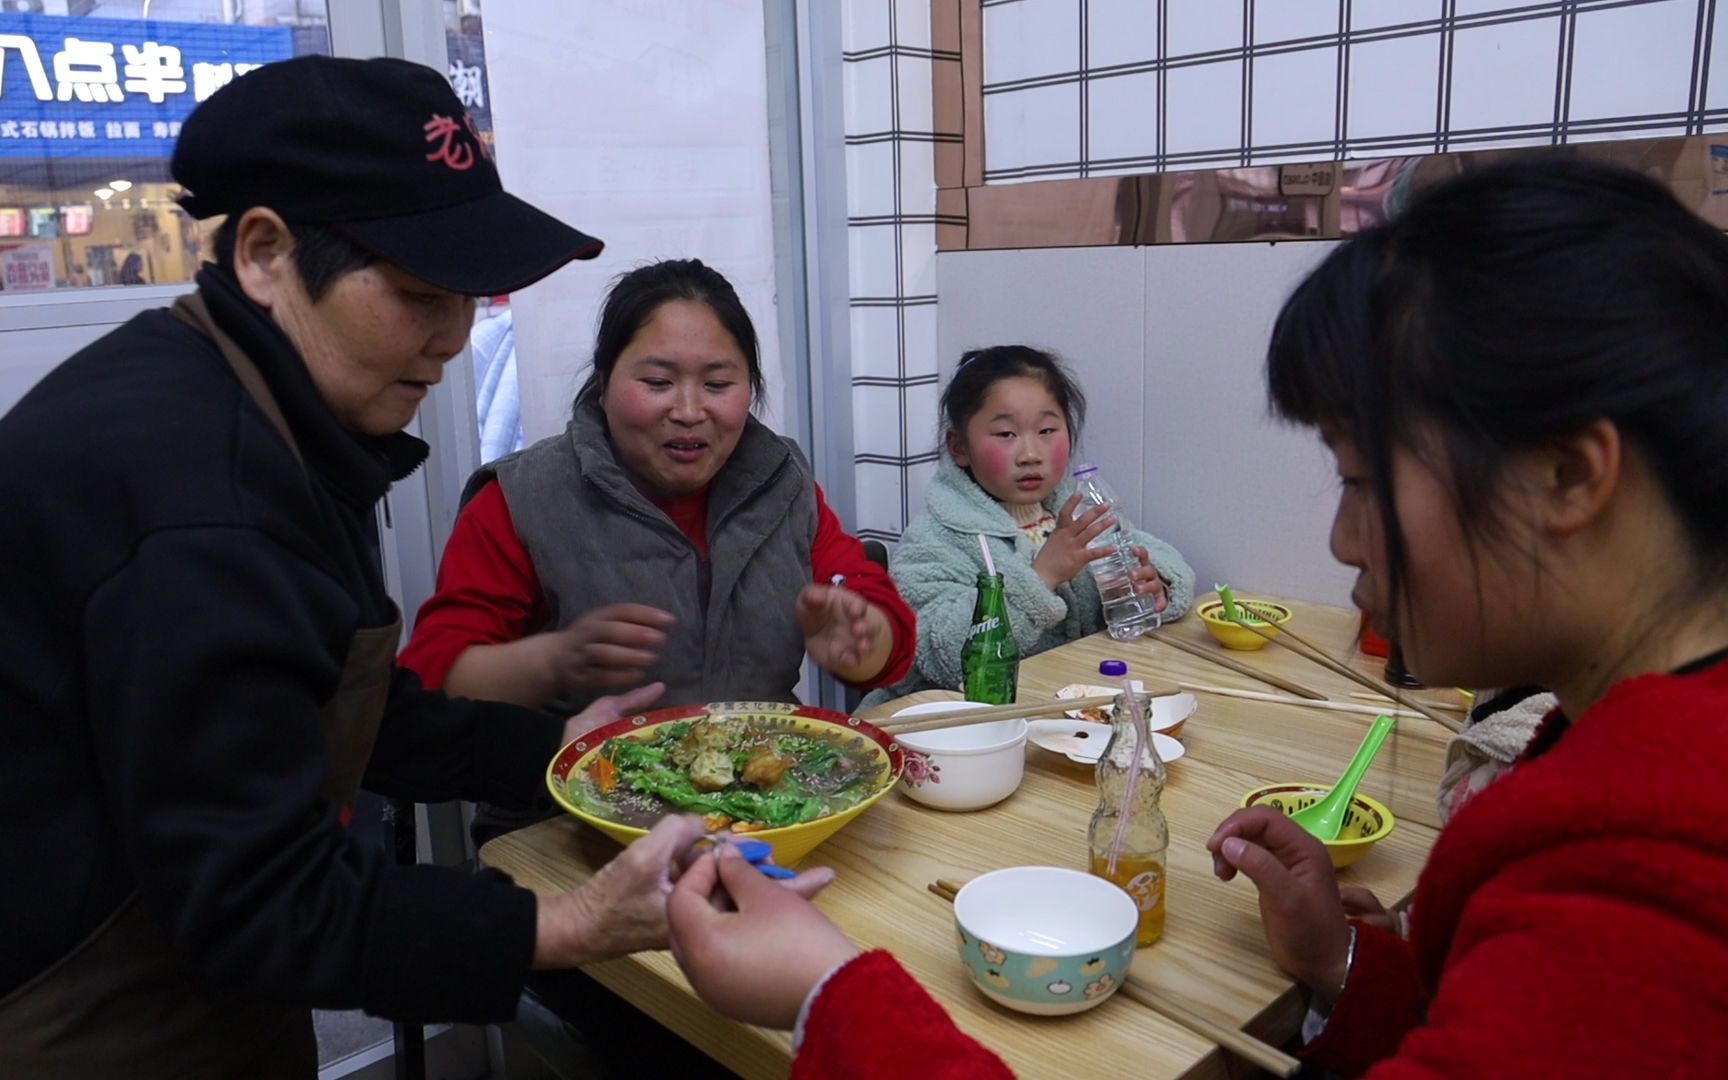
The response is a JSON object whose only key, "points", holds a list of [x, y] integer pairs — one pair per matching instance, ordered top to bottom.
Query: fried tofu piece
{"points": [[714, 733], [765, 768], [710, 770]]}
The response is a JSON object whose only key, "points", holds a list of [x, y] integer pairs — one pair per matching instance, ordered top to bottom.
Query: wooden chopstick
{"points": [[1327, 660], [1235, 665], [1286, 699], [1443, 706], [1012, 711], [1236, 1041]]}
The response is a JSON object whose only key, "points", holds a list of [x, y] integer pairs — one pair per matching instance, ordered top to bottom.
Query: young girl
{"points": [[1543, 340], [1010, 417]]}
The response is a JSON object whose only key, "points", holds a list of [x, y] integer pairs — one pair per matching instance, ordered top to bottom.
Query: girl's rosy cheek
{"points": [[1059, 448], [996, 457]]}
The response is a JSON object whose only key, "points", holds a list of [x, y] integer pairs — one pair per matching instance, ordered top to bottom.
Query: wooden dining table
{"points": [[1213, 958]]}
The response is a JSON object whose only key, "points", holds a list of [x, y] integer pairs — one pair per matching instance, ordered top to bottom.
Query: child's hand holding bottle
{"points": [[1066, 552], [1147, 580]]}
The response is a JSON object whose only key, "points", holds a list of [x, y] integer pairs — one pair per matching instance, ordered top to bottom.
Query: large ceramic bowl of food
{"points": [[789, 775]]}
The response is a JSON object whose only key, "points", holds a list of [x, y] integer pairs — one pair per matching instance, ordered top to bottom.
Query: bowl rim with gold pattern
{"points": [[1234, 636], [790, 843], [1345, 850]]}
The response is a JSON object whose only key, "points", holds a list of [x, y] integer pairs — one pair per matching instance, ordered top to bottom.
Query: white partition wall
{"points": [[646, 123], [1169, 343]]}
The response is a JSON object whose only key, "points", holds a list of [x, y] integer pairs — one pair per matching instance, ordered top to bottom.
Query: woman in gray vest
{"points": [[666, 535]]}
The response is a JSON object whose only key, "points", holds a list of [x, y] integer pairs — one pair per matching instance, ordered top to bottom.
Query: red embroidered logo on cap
{"points": [[457, 155]]}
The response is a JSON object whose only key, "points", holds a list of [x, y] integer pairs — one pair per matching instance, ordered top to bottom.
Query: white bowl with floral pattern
{"points": [[962, 768]]}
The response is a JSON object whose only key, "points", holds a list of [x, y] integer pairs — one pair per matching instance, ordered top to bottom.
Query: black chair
{"points": [[877, 552]]}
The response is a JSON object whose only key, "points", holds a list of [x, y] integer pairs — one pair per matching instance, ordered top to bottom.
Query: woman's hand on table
{"points": [[1066, 551], [1147, 580], [847, 635], [608, 647], [605, 710], [1299, 901], [753, 948]]}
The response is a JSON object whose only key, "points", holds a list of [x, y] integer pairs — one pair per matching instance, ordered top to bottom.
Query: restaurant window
{"points": [[92, 97], [492, 343]]}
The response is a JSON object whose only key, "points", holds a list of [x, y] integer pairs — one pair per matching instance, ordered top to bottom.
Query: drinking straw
{"points": [[989, 563], [1137, 711]]}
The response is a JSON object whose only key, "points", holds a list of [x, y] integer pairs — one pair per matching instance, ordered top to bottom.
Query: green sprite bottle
{"points": [[990, 661]]}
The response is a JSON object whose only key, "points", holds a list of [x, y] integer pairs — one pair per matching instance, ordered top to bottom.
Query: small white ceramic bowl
{"points": [[962, 768], [1044, 940]]}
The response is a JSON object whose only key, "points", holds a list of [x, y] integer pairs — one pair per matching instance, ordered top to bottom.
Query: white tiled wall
{"points": [[1090, 87], [891, 206]]}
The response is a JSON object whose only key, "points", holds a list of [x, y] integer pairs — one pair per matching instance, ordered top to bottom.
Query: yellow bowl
{"points": [[1268, 615], [1366, 823], [790, 843]]}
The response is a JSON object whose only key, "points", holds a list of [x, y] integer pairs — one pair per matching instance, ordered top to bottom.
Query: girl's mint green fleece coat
{"points": [[937, 564]]}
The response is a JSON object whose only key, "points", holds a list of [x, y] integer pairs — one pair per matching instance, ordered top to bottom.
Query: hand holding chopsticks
{"points": [[1238, 1042]]}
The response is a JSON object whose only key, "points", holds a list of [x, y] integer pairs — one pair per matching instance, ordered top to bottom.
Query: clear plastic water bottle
{"points": [[1128, 614]]}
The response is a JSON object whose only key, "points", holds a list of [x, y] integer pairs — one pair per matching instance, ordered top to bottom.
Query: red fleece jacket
{"points": [[1571, 921]]}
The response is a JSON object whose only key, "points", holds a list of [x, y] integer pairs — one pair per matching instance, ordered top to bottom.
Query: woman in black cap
{"points": [[198, 676]]}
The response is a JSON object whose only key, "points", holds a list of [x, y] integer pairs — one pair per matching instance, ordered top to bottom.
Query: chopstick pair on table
{"points": [[1313, 653], [1027, 710], [1236, 1041]]}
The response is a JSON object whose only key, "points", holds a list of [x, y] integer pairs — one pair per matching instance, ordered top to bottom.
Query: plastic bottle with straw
{"points": [[989, 661], [1129, 837]]}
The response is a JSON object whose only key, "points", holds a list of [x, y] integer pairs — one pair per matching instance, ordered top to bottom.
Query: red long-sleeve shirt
{"points": [[489, 594]]}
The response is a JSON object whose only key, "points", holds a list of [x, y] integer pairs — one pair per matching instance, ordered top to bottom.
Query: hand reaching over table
{"points": [[603, 711], [621, 909], [753, 948]]}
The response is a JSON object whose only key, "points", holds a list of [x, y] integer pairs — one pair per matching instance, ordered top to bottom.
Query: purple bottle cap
{"points": [[1115, 669]]}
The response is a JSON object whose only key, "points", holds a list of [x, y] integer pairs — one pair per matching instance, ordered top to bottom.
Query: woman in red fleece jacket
{"points": [[1545, 340]]}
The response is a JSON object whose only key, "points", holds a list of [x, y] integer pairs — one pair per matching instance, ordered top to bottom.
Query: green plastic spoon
{"points": [[1231, 612], [1326, 817]]}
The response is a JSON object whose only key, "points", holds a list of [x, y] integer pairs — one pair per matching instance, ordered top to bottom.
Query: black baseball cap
{"points": [[383, 152]]}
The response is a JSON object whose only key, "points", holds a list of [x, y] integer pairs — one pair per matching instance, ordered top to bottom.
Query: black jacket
{"points": [[176, 601]]}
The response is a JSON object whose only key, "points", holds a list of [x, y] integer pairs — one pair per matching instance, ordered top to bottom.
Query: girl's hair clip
{"points": [[964, 360]]}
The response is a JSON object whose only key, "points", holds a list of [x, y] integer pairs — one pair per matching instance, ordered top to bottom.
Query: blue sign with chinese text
{"points": [[116, 87]]}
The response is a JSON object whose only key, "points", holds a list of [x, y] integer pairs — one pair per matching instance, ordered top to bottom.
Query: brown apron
{"points": [[123, 1004]]}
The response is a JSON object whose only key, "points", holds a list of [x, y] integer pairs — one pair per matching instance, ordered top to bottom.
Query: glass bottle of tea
{"points": [[990, 661], [1129, 837]]}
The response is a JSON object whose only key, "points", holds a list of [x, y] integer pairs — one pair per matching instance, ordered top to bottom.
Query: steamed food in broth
{"points": [[740, 774]]}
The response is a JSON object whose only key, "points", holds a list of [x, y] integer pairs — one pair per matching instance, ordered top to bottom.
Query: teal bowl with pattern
{"points": [[1045, 940]]}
